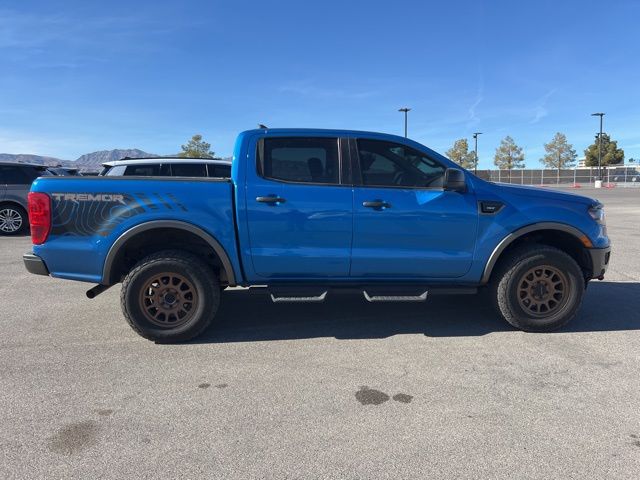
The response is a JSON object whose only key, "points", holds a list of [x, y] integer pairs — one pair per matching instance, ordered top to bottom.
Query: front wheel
{"points": [[538, 288], [170, 296]]}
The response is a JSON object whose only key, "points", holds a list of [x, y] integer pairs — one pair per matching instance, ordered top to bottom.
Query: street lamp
{"points": [[405, 110], [599, 144], [475, 164]]}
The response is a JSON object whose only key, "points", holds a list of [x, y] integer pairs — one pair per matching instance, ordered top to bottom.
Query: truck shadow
{"points": [[248, 317]]}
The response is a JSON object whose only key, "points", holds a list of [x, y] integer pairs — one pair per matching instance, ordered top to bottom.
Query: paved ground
{"points": [[340, 390]]}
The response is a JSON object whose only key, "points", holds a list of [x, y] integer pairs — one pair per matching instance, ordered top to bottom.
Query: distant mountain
{"points": [[27, 158], [93, 161]]}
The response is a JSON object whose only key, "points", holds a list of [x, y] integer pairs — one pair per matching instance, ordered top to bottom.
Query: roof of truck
{"points": [[342, 133], [133, 161], [21, 164]]}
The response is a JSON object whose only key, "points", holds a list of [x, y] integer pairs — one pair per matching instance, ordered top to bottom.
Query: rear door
{"points": [[299, 209], [406, 226]]}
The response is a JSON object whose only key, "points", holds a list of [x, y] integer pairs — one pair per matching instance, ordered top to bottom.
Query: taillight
{"points": [[39, 217]]}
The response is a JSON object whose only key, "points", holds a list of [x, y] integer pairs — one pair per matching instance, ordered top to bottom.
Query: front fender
{"points": [[512, 237]]}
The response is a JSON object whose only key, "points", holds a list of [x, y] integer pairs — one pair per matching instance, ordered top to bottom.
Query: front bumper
{"points": [[599, 261], [34, 264]]}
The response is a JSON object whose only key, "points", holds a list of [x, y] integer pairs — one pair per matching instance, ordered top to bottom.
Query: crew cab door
{"points": [[299, 210], [406, 226]]}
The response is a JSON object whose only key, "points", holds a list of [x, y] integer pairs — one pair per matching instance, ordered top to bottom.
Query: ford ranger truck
{"points": [[308, 214]]}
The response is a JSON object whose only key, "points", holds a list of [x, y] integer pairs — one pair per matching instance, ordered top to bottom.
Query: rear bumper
{"points": [[599, 261], [34, 264]]}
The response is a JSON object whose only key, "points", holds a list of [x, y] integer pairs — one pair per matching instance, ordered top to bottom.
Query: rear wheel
{"points": [[13, 219], [538, 288], [170, 296]]}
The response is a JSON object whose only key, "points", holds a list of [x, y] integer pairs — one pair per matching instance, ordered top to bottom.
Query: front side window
{"points": [[300, 160], [388, 164]]}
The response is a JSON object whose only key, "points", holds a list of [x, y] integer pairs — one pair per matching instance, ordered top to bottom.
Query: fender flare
{"points": [[154, 224], [509, 239]]}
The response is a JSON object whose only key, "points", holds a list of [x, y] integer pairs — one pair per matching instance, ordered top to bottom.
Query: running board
{"points": [[396, 298], [299, 299]]}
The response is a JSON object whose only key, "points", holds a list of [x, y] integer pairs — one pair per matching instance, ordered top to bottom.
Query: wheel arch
{"points": [[14, 203], [566, 237], [112, 268]]}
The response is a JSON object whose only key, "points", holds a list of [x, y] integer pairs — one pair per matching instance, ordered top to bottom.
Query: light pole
{"points": [[405, 110], [600, 114], [475, 163]]}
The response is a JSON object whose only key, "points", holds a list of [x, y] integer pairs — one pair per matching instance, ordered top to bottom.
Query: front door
{"points": [[299, 213], [406, 226]]}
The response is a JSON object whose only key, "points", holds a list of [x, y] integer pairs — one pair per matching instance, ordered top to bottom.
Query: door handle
{"points": [[271, 199], [376, 204]]}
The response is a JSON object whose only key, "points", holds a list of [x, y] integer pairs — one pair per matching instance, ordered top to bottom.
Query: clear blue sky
{"points": [[80, 76]]}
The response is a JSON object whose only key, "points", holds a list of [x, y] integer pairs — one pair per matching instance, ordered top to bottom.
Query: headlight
{"points": [[597, 213]]}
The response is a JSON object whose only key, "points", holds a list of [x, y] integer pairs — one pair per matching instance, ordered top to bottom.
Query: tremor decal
{"points": [[86, 214]]}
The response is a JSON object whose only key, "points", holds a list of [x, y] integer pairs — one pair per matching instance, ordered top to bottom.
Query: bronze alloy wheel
{"points": [[543, 291], [168, 300]]}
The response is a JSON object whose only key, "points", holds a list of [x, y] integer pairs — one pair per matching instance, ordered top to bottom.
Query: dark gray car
{"points": [[15, 182]]}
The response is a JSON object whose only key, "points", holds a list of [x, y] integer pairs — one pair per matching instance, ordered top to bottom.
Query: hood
{"points": [[547, 193]]}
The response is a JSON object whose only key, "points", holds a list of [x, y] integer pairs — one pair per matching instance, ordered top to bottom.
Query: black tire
{"points": [[18, 214], [525, 291], [144, 301]]}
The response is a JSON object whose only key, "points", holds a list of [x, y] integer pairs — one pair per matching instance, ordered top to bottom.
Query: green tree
{"points": [[196, 148], [460, 154], [560, 154], [611, 154], [508, 155]]}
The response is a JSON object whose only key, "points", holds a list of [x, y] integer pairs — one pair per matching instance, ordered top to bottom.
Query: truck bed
{"points": [[90, 213]]}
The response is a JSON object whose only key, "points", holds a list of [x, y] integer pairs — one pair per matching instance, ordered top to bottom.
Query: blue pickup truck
{"points": [[309, 213]]}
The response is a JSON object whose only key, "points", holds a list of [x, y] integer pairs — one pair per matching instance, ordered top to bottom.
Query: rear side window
{"points": [[300, 160], [189, 169], [147, 170], [220, 171], [14, 175]]}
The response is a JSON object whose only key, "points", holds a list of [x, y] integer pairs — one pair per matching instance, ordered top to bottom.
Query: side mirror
{"points": [[455, 180]]}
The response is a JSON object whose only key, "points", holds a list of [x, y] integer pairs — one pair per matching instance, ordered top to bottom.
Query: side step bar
{"points": [[372, 293], [396, 298], [305, 299]]}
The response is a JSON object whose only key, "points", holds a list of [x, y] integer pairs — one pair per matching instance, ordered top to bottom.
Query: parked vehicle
{"points": [[168, 167], [65, 171], [623, 174], [15, 182], [311, 213]]}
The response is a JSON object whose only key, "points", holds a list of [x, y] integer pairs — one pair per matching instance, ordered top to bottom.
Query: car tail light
{"points": [[39, 216]]}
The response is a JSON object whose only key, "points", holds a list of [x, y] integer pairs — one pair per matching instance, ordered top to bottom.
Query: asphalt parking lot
{"points": [[343, 389]]}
